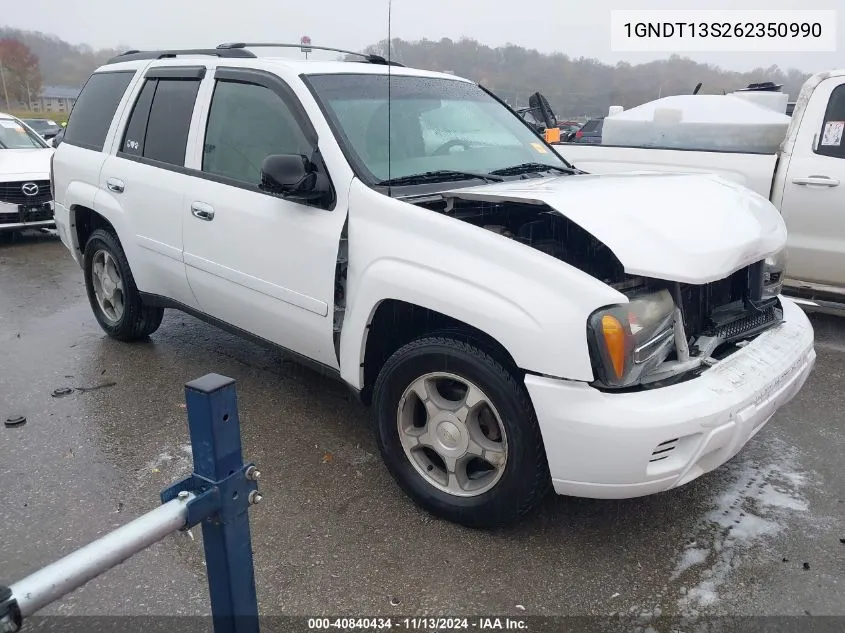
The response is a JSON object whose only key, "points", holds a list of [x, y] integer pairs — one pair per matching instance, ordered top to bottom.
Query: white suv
{"points": [[515, 324]]}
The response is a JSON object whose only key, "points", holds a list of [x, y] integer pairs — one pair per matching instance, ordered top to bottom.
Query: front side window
{"points": [[246, 124], [426, 125], [832, 137]]}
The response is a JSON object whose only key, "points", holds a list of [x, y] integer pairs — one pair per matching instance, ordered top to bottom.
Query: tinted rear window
{"points": [[95, 108], [170, 120], [133, 138]]}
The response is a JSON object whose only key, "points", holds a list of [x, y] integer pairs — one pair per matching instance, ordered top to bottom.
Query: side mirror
{"points": [[293, 176]]}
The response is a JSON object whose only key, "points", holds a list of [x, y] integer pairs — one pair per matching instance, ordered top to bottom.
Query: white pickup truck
{"points": [[802, 180]]}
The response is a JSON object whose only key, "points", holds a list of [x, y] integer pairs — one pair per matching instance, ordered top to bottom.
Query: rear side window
{"points": [[95, 108], [161, 119], [832, 137], [133, 139]]}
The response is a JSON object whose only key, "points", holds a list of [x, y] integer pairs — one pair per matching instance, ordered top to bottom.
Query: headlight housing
{"points": [[774, 269], [628, 340]]}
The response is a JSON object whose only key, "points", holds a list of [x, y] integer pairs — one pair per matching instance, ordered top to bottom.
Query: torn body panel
{"points": [[692, 229], [710, 315]]}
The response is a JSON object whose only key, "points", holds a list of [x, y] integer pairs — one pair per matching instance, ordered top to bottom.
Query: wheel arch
{"points": [[90, 209], [84, 221], [394, 323]]}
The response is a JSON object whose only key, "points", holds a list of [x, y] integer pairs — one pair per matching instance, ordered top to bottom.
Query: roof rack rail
{"points": [[132, 55], [367, 57]]}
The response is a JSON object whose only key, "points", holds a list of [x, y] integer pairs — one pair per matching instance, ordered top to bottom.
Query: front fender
{"points": [[426, 287], [533, 305]]}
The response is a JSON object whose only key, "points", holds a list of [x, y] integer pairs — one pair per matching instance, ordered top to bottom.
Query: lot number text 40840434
{"points": [[417, 624]]}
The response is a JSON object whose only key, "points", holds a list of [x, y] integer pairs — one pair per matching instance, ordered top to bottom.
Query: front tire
{"points": [[112, 293], [457, 431]]}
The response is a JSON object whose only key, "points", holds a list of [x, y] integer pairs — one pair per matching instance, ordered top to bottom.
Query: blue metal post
{"points": [[225, 487]]}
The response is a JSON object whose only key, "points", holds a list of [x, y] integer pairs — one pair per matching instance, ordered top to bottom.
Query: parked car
{"points": [[46, 128], [568, 129], [590, 132], [805, 179], [25, 198], [513, 324]]}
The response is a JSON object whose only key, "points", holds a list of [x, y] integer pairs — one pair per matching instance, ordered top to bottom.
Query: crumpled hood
{"points": [[20, 164], [679, 227]]}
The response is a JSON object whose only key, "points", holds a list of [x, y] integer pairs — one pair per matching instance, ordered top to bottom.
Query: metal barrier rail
{"points": [[217, 494]]}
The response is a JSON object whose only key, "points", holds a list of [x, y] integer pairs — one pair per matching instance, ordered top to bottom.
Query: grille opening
{"points": [[12, 192]]}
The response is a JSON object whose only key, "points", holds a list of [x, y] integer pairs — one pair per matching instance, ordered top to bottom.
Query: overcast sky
{"points": [[577, 28]]}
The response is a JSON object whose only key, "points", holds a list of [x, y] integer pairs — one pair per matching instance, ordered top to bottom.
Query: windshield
{"points": [[435, 125], [13, 135]]}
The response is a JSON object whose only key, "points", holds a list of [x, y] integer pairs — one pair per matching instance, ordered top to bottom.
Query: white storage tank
{"points": [[698, 122]]}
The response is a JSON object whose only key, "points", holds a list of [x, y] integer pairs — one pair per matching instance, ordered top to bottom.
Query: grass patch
{"points": [[58, 117]]}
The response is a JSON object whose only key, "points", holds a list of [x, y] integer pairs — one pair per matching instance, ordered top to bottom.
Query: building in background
{"points": [[52, 99]]}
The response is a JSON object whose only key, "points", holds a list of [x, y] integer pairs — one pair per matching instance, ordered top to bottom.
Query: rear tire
{"points": [[112, 293], [431, 443]]}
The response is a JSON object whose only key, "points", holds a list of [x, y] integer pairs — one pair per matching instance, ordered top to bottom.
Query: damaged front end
{"points": [[678, 320], [670, 331]]}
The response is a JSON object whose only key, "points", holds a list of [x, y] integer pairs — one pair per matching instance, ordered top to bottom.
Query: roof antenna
{"points": [[389, 117]]}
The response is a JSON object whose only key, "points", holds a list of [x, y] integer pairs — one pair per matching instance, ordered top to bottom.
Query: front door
{"points": [[814, 191], [255, 260]]}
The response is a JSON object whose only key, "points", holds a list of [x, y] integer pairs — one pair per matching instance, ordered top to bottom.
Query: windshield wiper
{"points": [[527, 168], [439, 175]]}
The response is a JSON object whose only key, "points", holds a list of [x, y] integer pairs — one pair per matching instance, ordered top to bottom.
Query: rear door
{"points": [[77, 165], [146, 175], [813, 202]]}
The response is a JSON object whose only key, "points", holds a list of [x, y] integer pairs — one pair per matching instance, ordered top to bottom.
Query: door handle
{"points": [[818, 181], [116, 185], [202, 211]]}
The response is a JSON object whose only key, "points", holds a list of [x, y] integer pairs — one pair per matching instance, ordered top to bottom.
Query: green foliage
{"points": [[58, 117]]}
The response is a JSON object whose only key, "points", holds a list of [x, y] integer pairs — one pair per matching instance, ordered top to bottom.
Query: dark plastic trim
{"points": [[134, 55], [368, 58], [176, 72]]}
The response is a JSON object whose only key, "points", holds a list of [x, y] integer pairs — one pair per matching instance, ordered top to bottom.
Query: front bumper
{"points": [[12, 219], [620, 445]]}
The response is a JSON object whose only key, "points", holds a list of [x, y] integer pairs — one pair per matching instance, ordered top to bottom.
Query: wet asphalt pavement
{"points": [[334, 534]]}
